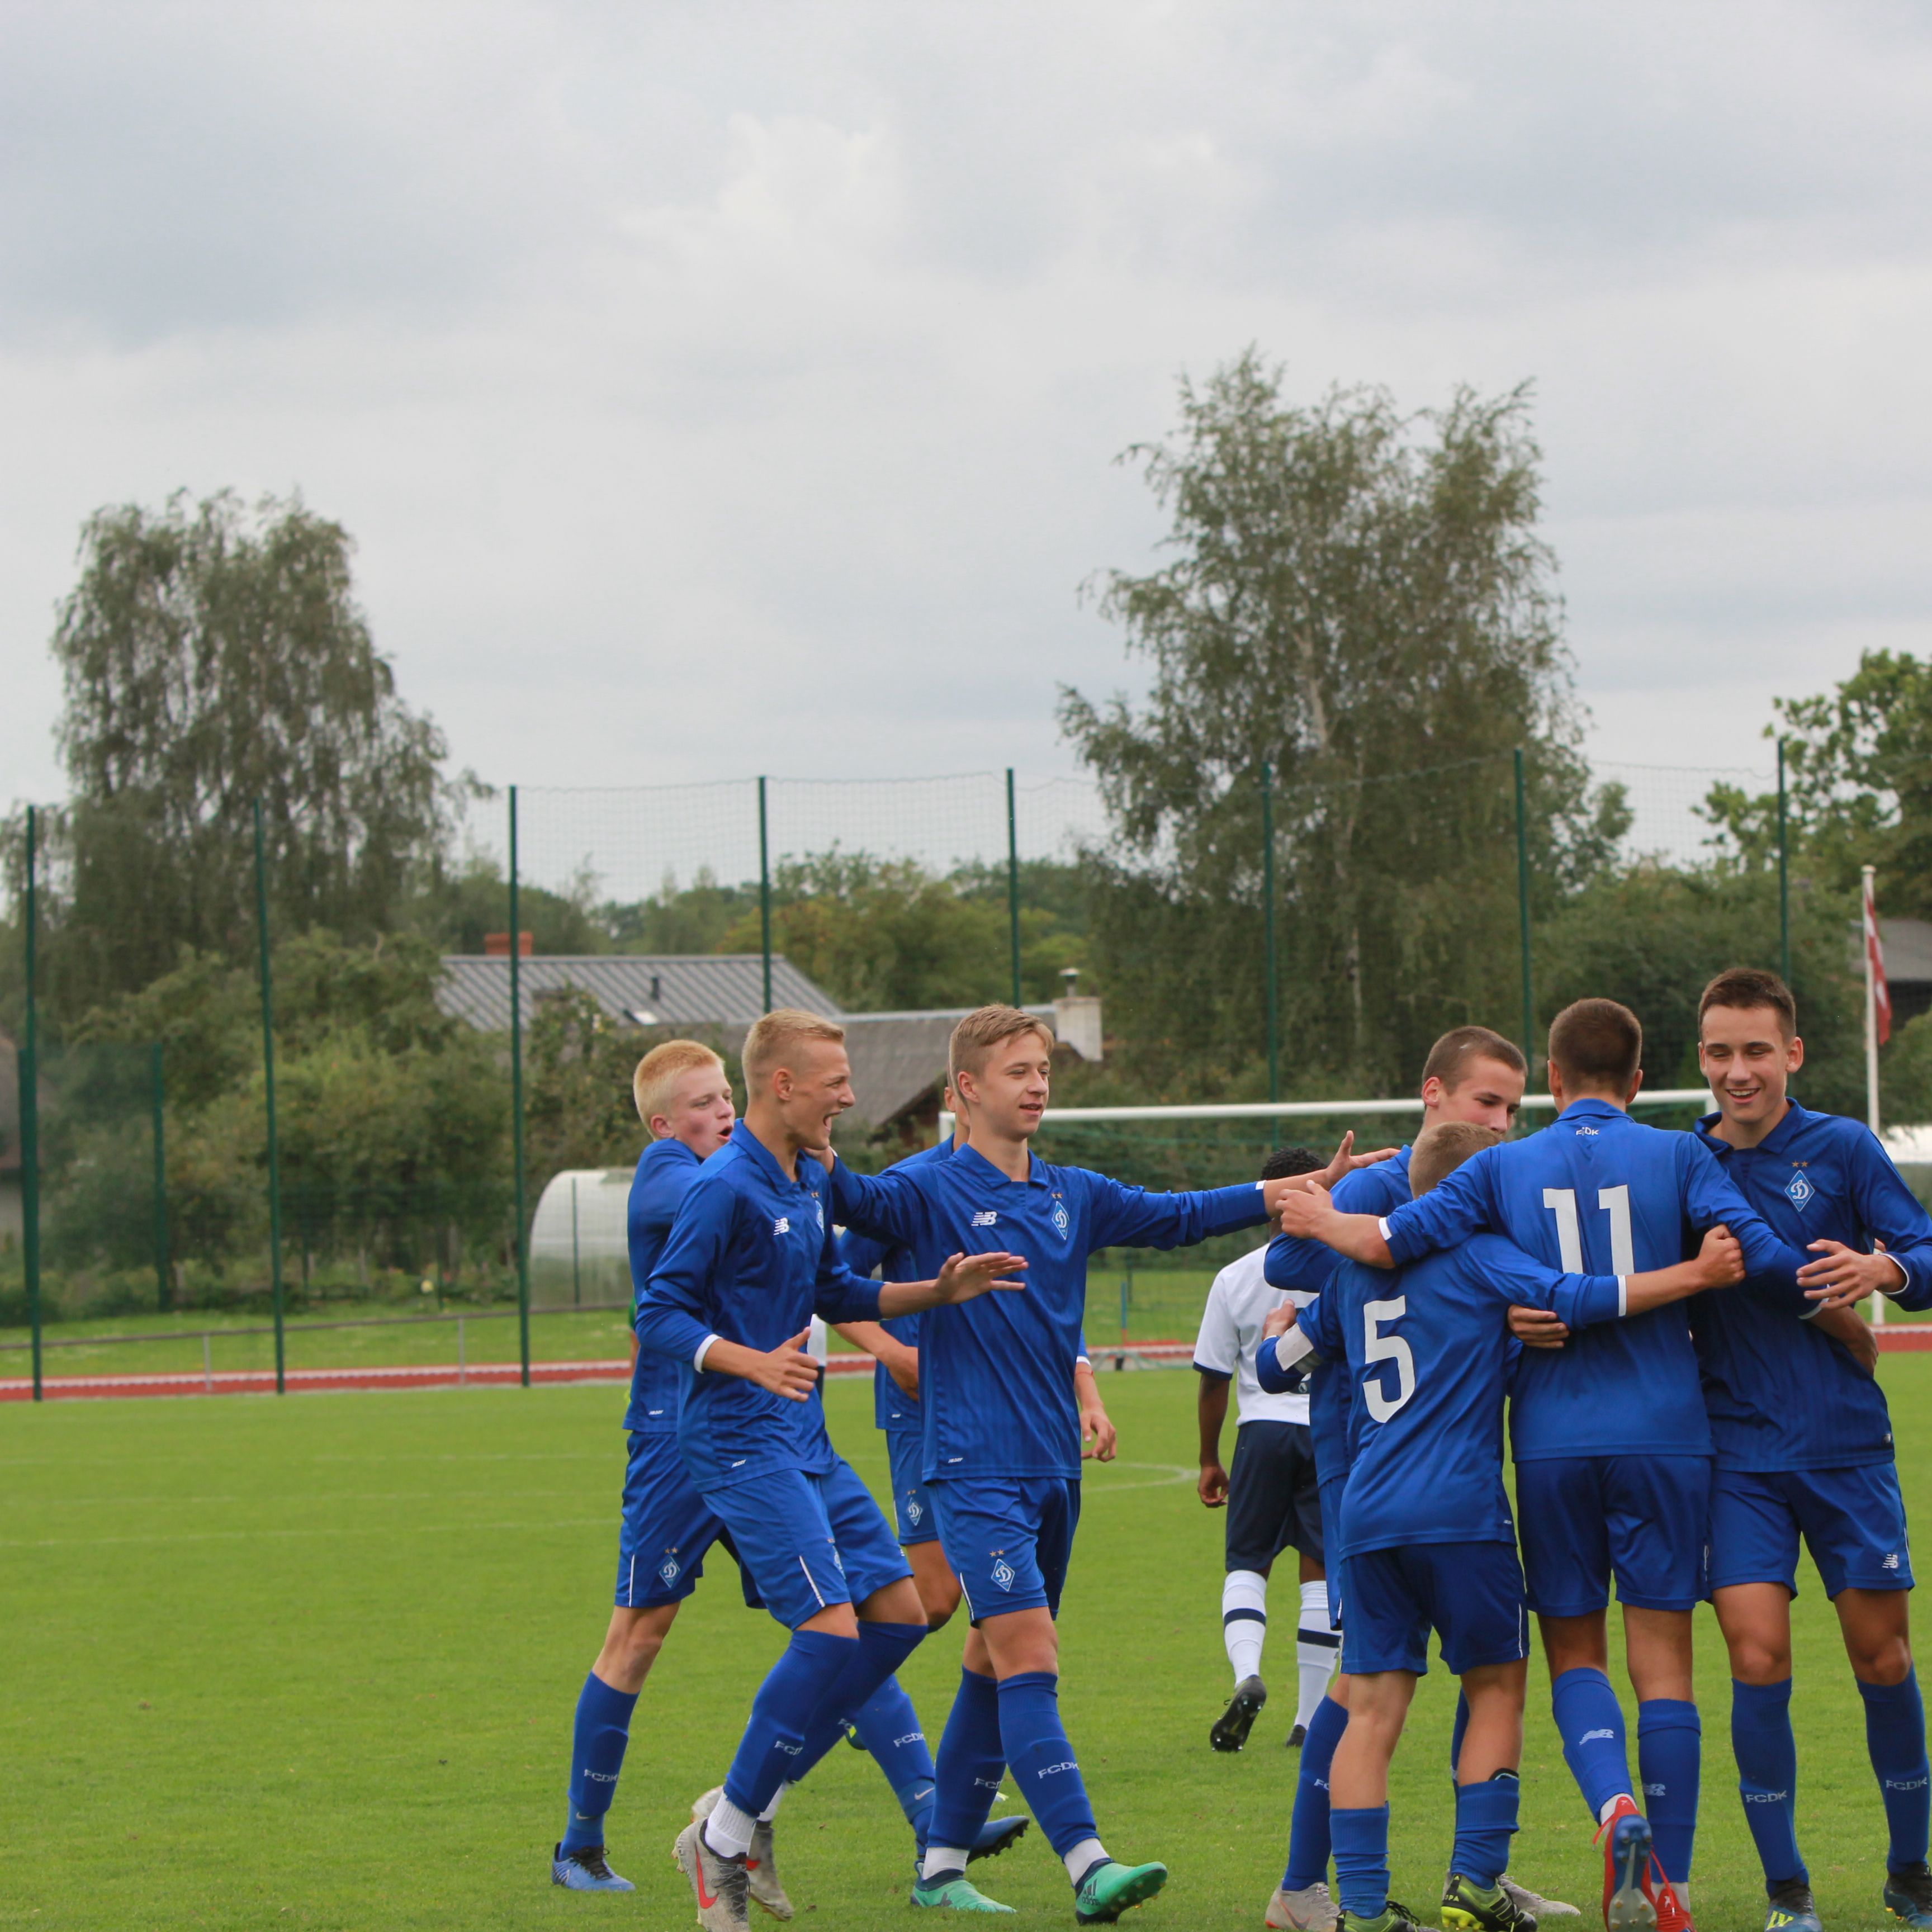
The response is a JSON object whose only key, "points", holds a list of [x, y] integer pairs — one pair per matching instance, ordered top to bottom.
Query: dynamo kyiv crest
{"points": [[1800, 1192], [1062, 1222]]}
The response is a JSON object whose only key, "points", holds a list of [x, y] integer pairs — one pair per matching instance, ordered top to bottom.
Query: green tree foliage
{"points": [[1359, 600], [214, 654]]}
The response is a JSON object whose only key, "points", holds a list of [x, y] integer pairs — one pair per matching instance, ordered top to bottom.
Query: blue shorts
{"points": [[910, 1503], [1643, 1519], [1852, 1521], [668, 1527], [1010, 1539], [1331, 1540], [809, 1542], [1469, 1594]]}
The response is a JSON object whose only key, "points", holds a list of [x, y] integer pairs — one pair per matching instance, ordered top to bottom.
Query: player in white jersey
{"points": [[1272, 1498]]}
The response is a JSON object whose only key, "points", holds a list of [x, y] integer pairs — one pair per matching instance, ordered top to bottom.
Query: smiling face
{"points": [[1748, 1060], [810, 1092], [1007, 1094], [698, 1110]]}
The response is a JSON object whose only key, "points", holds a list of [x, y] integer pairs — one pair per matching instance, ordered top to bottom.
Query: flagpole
{"points": [[1868, 920]]}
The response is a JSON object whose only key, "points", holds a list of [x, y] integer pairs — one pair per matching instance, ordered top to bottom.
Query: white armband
{"points": [[1382, 1227], [1623, 1295]]}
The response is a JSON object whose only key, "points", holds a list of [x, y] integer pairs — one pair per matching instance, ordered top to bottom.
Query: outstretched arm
{"points": [[1308, 1214], [962, 1278]]}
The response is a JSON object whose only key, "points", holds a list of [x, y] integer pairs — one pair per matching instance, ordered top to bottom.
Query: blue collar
{"points": [[1596, 1109], [1796, 1118], [766, 1161], [1036, 1167]]}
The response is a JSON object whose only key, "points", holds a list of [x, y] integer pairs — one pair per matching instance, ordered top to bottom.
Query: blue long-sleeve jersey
{"points": [[665, 1169], [1597, 1191], [751, 1257], [1305, 1266], [1427, 1356], [996, 1373], [1329, 1388], [1782, 1394], [893, 1410]]}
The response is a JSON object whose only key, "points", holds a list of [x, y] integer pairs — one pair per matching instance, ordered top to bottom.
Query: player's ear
{"points": [[1794, 1058]]}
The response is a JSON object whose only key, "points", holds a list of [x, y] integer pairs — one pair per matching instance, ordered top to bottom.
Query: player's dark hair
{"points": [[1744, 987], [1597, 1043], [1449, 1058], [1442, 1149], [1291, 1160]]}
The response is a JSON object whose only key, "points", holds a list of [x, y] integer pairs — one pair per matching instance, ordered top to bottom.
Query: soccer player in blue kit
{"points": [[684, 1100], [751, 1255], [1427, 1354], [1803, 1440], [1611, 1443], [1002, 1461]]}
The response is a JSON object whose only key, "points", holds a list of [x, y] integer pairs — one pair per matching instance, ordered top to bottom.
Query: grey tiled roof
{"points": [[668, 989]]}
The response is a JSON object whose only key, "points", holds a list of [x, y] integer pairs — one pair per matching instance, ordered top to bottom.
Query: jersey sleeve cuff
{"points": [[703, 1349]]}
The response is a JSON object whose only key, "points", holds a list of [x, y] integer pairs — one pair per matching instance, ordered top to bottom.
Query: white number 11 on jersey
{"points": [[1615, 1202]]}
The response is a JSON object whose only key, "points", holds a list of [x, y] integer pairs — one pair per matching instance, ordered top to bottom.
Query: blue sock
{"points": [[882, 1648], [782, 1716], [1591, 1722], [888, 1727], [603, 1729], [1457, 1732], [1895, 1737], [1669, 1754], [1041, 1760], [972, 1761], [1768, 1775], [1485, 1820], [1308, 1841], [1361, 1859]]}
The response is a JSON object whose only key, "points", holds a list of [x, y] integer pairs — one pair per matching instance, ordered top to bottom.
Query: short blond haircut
{"points": [[984, 1029], [778, 1033], [659, 1070], [1440, 1149]]}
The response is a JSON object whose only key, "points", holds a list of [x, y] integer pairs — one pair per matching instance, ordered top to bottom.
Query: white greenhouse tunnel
{"points": [[579, 1243]]}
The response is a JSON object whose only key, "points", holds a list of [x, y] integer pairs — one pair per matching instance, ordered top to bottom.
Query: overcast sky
{"points": [[726, 387]]}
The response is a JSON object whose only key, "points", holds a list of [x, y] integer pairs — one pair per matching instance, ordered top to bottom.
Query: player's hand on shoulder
{"points": [[1301, 1211], [1720, 1260], [964, 1276], [1536, 1327], [787, 1370], [1212, 1487]]}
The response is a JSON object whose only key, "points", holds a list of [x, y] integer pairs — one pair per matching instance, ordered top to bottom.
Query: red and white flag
{"points": [[1875, 966]]}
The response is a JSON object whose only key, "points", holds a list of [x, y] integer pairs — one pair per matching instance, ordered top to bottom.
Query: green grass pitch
{"points": [[311, 1663]]}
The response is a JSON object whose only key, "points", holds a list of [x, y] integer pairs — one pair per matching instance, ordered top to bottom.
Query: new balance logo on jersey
{"points": [[1800, 1192], [987, 1217], [782, 1225], [1889, 1561], [1003, 1574], [1590, 1737]]}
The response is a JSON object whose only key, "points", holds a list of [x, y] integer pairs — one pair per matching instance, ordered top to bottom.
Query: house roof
{"points": [[1908, 949], [639, 989]]}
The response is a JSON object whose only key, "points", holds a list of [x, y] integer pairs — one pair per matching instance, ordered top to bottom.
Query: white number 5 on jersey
{"points": [[1380, 1348]]}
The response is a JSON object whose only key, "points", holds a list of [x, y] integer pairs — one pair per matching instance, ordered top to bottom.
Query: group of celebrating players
{"points": [[1669, 1317]]}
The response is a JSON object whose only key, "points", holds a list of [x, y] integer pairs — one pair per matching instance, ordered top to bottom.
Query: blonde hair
{"points": [[984, 1029], [776, 1034], [659, 1069], [1440, 1149]]}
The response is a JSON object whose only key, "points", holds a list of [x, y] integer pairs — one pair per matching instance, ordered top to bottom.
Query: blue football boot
{"points": [[584, 1870], [1908, 1895], [1792, 1908]]}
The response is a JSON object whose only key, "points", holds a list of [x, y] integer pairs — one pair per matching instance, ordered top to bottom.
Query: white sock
{"points": [[1244, 1621], [1315, 1649], [1610, 1804], [771, 1810], [728, 1830], [1088, 1851], [943, 1858]]}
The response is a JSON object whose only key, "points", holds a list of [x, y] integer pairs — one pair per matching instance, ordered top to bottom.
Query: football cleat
{"points": [[1232, 1727], [1297, 1737], [998, 1835], [1625, 1838], [584, 1870], [761, 1870], [717, 1882], [1110, 1887], [950, 1891], [1908, 1895], [1534, 1904], [1469, 1907], [1792, 1908], [1311, 1909], [1673, 1913], [1392, 1918]]}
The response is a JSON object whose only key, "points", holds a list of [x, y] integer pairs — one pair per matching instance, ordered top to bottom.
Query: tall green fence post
{"points": [[1783, 875], [1012, 886], [765, 893], [1523, 911], [1268, 931], [29, 1069], [268, 1098], [516, 1107], [164, 1289]]}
